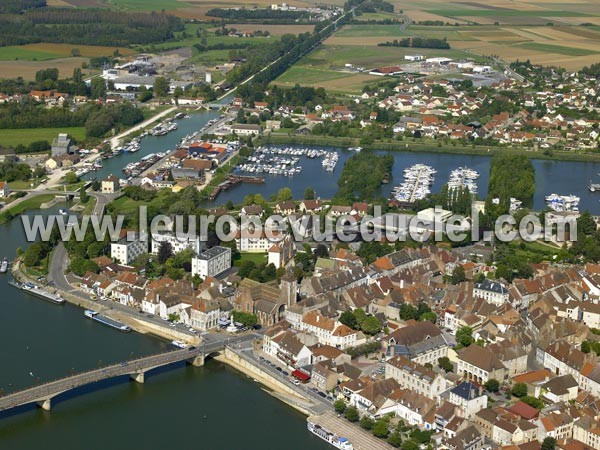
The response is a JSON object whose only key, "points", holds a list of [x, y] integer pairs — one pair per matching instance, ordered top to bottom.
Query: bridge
{"points": [[135, 368]]}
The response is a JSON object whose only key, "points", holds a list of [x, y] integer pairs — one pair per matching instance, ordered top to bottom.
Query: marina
{"points": [[285, 160], [463, 177], [417, 183], [562, 203], [33, 289], [94, 315]]}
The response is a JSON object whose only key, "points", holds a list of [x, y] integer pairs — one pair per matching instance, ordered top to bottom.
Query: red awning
{"points": [[301, 375]]}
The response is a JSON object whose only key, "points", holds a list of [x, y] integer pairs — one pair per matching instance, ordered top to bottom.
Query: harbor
{"points": [[286, 160], [463, 177], [417, 183], [563, 203]]}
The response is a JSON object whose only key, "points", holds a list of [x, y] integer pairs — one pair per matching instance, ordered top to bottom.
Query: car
{"points": [[123, 364], [279, 369], [286, 373], [321, 394]]}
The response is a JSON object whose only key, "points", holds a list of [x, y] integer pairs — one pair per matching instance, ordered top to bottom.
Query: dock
{"points": [[234, 180]]}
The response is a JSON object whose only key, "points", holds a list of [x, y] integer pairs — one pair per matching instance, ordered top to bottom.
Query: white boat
{"points": [[62, 212], [4, 265], [179, 344], [331, 438]]}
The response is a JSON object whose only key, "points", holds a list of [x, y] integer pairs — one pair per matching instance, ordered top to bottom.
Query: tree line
{"points": [[256, 14], [87, 27], [417, 42], [362, 176]]}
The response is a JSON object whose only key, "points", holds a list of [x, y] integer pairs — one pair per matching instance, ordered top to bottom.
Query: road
{"points": [[114, 142]]}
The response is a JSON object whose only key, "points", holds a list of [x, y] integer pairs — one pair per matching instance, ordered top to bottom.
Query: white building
{"points": [[4, 191], [178, 242], [128, 248], [211, 262], [491, 291], [414, 376], [469, 398]]}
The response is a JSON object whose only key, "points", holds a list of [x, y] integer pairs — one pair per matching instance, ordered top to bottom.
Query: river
{"points": [[560, 177], [211, 407]]}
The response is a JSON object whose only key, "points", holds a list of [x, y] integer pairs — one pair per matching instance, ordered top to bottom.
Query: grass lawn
{"points": [[148, 5], [549, 48], [309, 76], [25, 136], [20, 184], [26, 205], [256, 258]]}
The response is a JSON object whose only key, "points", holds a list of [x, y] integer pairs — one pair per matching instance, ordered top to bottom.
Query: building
{"points": [[246, 129], [61, 145], [110, 185], [4, 191], [178, 242], [125, 250], [211, 262], [491, 291], [480, 364], [414, 376], [469, 398]]}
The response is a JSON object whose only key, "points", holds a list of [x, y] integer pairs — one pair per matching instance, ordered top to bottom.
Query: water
{"points": [[154, 144], [561, 177], [212, 407]]}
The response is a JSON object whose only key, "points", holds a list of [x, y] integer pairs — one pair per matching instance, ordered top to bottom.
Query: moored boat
{"points": [[331, 438]]}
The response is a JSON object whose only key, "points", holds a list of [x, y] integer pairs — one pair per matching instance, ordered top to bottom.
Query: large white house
{"points": [[178, 242], [128, 248], [211, 262], [414, 376]]}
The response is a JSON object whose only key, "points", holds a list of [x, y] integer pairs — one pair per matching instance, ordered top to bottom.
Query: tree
{"points": [[97, 87], [161, 87], [71, 178], [309, 193], [284, 194], [83, 195], [586, 224], [165, 251], [458, 275], [360, 316], [246, 319], [348, 319], [371, 325], [464, 336], [444, 363], [492, 385], [519, 390], [533, 401], [339, 406], [351, 413], [366, 422], [381, 428], [395, 439], [549, 443], [410, 445]]}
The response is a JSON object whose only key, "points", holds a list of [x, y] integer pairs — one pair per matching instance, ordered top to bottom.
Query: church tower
{"points": [[289, 288]]}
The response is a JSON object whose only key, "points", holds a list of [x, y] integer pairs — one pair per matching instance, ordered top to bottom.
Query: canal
{"points": [[211, 407]]}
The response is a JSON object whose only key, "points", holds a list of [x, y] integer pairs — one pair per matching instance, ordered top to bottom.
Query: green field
{"points": [[148, 5], [457, 12], [393, 31], [549, 48], [15, 52], [310, 76], [25, 136], [25, 205], [256, 258]]}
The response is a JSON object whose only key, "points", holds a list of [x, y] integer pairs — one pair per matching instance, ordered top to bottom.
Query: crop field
{"points": [[46, 51], [27, 69], [14, 137]]}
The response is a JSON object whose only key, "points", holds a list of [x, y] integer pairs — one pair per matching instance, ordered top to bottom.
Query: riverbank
{"points": [[114, 141], [408, 145], [129, 319]]}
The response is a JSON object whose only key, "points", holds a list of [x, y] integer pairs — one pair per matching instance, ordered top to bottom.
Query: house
{"points": [[246, 129], [61, 145], [110, 185], [4, 190], [311, 206], [177, 241], [128, 248], [282, 252], [211, 262], [491, 291], [205, 314], [421, 342], [287, 348], [480, 364], [324, 376], [414, 376], [563, 388], [469, 398], [374, 399], [468, 439]]}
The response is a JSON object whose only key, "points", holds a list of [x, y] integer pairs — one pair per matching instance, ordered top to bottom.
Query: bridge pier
{"points": [[197, 361], [137, 377], [46, 404]]}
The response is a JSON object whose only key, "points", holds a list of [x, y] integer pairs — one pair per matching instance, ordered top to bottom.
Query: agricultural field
{"points": [[46, 51], [27, 69], [25, 136]]}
